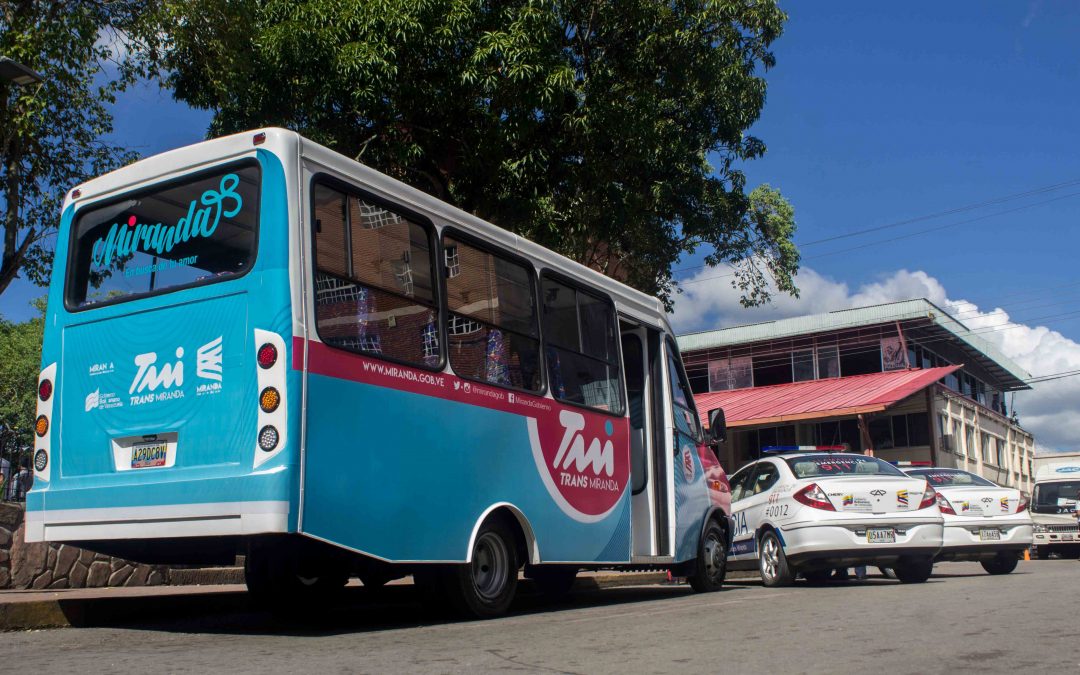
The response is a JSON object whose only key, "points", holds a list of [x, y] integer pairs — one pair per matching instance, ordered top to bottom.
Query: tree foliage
{"points": [[609, 130], [52, 135], [20, 363]]}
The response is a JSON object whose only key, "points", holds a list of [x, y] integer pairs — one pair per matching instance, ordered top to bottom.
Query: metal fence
{"points": [[16, 473]]}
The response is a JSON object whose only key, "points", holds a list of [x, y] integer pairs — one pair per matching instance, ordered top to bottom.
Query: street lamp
{"points": [[15, 72]]}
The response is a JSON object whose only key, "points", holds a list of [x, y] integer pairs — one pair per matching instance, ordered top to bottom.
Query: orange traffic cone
{"points": [[1027, 554]]}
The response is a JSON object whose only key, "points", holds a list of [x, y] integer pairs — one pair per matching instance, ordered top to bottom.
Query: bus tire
{"points": [[711, 567], [484, 588]]}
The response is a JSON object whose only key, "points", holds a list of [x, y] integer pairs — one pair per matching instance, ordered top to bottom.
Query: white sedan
{"points": [[806, 513], [983, 521]]}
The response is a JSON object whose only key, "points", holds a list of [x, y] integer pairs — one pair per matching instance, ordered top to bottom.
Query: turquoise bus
{"points": [[258, 346]]}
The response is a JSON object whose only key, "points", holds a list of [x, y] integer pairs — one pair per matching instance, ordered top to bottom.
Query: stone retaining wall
{"points": [[24, 565]]}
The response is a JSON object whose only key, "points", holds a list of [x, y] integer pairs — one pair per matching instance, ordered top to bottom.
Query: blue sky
{"points": [[879, 113]]}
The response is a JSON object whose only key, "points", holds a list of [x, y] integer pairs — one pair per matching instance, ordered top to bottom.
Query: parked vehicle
{"points": [[258, 345], [1053, 509], [808, 512], [984, 522]]}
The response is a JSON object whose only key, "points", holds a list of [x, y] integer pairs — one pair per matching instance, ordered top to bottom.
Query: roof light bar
{"points": [[804, 448], [913, 463]]}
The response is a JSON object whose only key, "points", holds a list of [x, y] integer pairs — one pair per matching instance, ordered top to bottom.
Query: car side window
{"points": [[765, 476], [739, 482]]}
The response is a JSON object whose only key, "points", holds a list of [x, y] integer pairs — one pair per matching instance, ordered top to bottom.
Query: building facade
{"points": [[903, 381]]}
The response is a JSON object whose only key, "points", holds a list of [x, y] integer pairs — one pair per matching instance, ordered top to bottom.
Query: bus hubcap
{"points": [[491, 561]]}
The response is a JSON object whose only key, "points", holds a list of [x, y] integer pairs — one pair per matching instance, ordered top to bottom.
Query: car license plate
{"points": [[153, 453], [990, 535], [881, 536]]}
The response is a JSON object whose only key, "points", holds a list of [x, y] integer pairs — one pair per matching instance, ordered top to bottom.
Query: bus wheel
{"points": [[711, 567], [484, 588]]}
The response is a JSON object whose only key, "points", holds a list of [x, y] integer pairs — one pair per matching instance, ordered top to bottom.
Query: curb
{"points": [[62, 612]]}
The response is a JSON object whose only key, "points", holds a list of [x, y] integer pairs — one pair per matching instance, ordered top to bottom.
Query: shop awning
{"points": [[858, 394]]}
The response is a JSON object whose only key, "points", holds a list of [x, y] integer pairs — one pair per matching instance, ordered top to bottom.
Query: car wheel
{"points": [[772, 563], [1003, 563], [711, 567], [913, 570], [887, 572], [485, 587]]}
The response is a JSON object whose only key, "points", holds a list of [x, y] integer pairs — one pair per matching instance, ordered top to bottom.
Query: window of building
{"points": [[374, 288], [495, 297], [581, 349], [860, 360], [828, 361], [802, 365], [772, 369], [736, 372], [699, 378], [918, 426], [900, 430], [842, 432], [881, 433], [770, 436], [957, 437], [984, 440], [969, 441], [1000, 447]]}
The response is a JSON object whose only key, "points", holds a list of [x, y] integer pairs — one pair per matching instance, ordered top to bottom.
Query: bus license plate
{"points": [[145, 455], [989, 535], [881, 536]]}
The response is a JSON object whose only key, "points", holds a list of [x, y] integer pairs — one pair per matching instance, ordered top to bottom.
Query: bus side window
{"points": [[374, 290], [493, 331], [580, 345], [682, 408]]}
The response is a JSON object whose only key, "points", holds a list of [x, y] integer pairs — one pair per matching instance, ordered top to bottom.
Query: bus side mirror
{"points": [[717, 426]]}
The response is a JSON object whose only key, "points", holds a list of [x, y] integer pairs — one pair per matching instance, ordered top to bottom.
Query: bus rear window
{"points": [[189, 232]]}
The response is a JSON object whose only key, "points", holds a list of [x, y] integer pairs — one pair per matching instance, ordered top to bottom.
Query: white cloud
{"points": [[1051, 410]]}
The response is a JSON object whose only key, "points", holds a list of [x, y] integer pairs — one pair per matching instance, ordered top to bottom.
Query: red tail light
{"points": [[267, 355], [44, 390], [813, 496], [929, 498], [1024, 500], [944, 505]]}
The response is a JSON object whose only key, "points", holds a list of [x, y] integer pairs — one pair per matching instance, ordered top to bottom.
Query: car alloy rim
{"points": [[769, 560], [491, 561]]}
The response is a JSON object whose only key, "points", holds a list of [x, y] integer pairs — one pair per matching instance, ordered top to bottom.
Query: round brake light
{"points": [[267, 355], [44, 390]]}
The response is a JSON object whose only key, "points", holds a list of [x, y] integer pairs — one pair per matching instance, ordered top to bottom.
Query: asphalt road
{"points": [[962, 620]]}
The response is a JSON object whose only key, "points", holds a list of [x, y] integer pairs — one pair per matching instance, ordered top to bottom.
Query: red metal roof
{"points": [[818, 398]]}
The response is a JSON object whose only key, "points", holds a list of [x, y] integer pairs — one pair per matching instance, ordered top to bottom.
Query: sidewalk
{"points": [[25, 610]]}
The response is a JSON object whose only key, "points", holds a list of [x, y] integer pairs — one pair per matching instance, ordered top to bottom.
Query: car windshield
{"points": [[823, 466], [951, 478], [1056, 497]]}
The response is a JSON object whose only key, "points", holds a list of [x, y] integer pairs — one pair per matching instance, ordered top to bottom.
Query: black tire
{"points": [[772, 563], [1003, 563], [710, 570], [914, 570], [887, 572], [817, 576], [553, 581], [485, 587]]}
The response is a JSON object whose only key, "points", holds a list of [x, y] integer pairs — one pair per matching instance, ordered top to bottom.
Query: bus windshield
{"points": [[192, 231]]}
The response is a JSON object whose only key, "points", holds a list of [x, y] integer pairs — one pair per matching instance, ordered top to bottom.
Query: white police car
{"points": [[807, 512], [983, 521]]}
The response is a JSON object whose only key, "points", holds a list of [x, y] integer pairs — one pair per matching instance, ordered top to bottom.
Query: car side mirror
{"points": [[717, 427]]}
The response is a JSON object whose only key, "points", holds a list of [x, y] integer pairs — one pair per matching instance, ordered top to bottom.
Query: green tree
{"points": [[609, 130], [52, 135], [20, 363]]}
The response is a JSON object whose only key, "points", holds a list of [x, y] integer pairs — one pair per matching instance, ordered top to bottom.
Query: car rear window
{"points": [[195, 230], [821, 466], [951, 478]]}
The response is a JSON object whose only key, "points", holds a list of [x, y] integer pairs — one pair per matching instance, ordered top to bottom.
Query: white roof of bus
{"points": [[285, 143]]}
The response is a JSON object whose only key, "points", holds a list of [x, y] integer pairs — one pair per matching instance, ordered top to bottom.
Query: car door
{"points": [[759, 485], [742, 537]]}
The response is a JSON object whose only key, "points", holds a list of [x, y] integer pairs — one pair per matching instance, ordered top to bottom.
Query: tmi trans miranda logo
{"points": [[169, 376], [572, 453]]}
